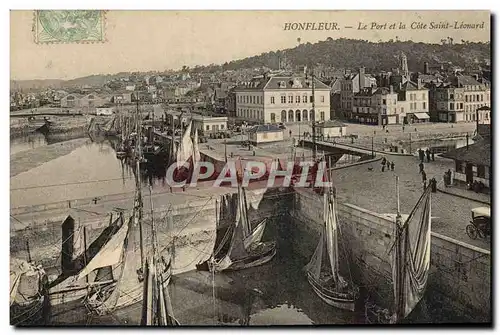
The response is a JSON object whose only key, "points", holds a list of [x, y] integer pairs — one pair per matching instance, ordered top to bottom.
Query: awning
{"points": [[421, 116]]}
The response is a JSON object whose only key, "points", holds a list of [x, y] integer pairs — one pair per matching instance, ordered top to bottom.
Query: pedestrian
{"points": [[290, 132], [328, 137], [428, 154], [421, 155], [432, 155], [383, 164], [388, 165], [392, 166], [421, 167], [424, 178]]}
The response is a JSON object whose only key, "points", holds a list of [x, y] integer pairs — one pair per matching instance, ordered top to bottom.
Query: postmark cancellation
{"points": [[69, 26]]}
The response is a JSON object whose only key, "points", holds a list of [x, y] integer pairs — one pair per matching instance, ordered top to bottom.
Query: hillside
{"points": [[339, 53], [347, 53]]}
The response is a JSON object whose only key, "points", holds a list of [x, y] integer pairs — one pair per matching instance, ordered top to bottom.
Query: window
{"points": [[423, 96], [452, 96], [482, 96], [322, 98], [466, 98], [253, 99], [283, 99], [290, 99], [297, 99], [304, 99], [311, 99], [272, 100], [384, 101], [424, 105], [452, 105], [461, 105], [322, 116], [273, 117], [221, 126], [208, 127], [481, 171]]}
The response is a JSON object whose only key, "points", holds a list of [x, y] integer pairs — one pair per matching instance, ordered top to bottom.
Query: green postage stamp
{"points": [[69, 26]]}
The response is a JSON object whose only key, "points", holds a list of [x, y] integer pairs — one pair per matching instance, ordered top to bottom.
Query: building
{"points": [[351, 84], [335, 92], [476, 95], [125, 97], [271, 99], [458, 99], [84, 101], [413, 102], [446, 103], [376, 106], [106, 109], [483, 115], [207, 124], [331, 128], [265, 133], [472, 162]]}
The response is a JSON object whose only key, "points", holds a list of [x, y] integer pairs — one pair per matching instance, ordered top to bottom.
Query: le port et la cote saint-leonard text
{"points": [[293, 26]]}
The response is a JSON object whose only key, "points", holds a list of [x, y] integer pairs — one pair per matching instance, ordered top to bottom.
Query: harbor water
{"points": [[274, 294]]}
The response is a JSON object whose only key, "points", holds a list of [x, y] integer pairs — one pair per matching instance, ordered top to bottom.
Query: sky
{"points": [[160, 40]]}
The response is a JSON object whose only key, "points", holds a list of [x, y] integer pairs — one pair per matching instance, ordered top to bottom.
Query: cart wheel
{"points": [[471, 231], [480, 233]]}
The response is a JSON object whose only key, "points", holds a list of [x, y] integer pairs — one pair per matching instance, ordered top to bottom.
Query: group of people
{"points": [[425, 154], [385, 162]]}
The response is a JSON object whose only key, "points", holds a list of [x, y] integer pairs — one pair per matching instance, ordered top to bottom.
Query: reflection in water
{"points": [[27, 142], [439, 146], [92, 170]]}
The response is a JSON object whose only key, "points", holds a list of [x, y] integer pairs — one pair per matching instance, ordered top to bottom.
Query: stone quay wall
{"points": [[460, 273]]}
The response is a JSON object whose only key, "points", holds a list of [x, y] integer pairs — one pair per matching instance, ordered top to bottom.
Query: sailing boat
{"points": [[237, 246], [411, 255], [85, 268], [323, 268], [27, 293], [156, 305]]}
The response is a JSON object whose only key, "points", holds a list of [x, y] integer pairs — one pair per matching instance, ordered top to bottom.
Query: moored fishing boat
{"points": [[237, 245], [323, 270], [28, 295]]}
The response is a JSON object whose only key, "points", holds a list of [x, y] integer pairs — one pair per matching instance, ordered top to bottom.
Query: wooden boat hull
{"points": [[265, 253], [340, 300], [32, 314]]}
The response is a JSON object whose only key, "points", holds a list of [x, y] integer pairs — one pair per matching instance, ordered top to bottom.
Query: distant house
{"points": [[124, 97], [86, 102], [106, 109], [209, 124], [331, 128], [265, 133], [472, 162]]}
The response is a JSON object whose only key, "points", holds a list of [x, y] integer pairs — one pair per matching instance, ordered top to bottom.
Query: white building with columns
{"points": [[271, 99]]}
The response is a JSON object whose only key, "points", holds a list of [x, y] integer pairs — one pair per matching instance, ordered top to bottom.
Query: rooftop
{"points": [[282, 82], [330, 124], [265, 128], [478, 153]]}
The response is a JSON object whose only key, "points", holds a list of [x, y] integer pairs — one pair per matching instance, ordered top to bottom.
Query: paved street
{"points": [[376, 190]]}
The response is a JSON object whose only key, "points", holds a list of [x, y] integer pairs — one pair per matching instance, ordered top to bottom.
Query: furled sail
{"points": [[185, 149], [196, 149], [331, 234], [109, 255], [325, 256], [411, 256], [156, 305]]}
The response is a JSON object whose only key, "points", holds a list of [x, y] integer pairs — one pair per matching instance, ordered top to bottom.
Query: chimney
{"points": [[426, 68], [361, 77], [419, 83], [391, 88]]}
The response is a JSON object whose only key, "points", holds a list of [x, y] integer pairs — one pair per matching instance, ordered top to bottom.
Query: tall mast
{"points": [[314, 114], [138, 187], [400, 263]]}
